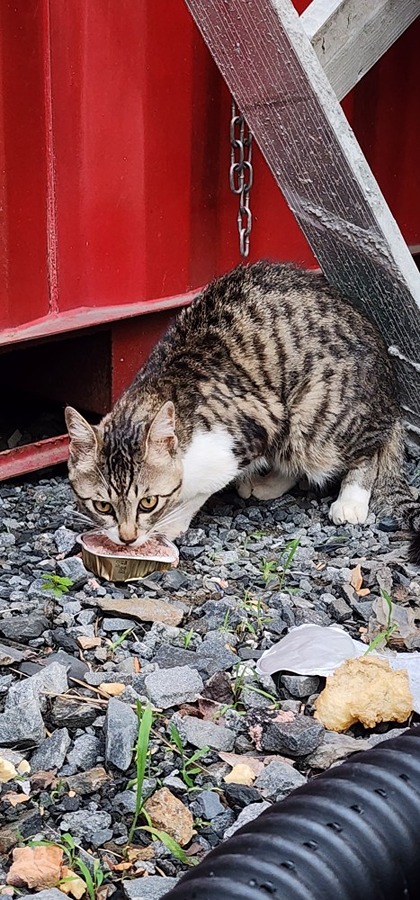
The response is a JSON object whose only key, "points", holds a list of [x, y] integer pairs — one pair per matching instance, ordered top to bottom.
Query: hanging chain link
{"points": [[241, 174]]}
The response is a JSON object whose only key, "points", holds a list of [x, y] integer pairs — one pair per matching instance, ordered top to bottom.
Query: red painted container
{"points": [[114, 143]]}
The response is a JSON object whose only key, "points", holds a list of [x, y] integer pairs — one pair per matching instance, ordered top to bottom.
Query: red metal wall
{"points": [[114, 152]]}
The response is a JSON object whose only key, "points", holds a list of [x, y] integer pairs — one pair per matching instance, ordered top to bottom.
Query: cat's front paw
{"points": [[244, 488], [353, 510]]}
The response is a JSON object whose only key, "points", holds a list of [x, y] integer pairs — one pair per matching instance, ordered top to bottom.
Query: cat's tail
{"points": [[392, 493]]}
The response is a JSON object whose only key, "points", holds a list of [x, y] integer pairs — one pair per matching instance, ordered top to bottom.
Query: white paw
{"points": [[244, 489], [355, 512]]}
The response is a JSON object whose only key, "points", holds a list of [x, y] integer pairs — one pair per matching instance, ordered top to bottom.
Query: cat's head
{"points": [[126, 473]]}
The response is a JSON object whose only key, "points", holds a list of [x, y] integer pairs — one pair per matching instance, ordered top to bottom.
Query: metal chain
{"points": [[241, 174]]}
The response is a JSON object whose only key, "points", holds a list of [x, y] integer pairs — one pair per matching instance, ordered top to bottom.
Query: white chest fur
{"points": [[209, 463]]}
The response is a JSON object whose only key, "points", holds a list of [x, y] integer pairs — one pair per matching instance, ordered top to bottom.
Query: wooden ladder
{"points": [[287, 75]]}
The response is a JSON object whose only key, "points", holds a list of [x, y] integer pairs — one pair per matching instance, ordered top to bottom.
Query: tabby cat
{"points": [[268, 376]]}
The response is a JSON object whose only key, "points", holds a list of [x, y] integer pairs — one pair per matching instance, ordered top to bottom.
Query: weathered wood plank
{"points": [[349, 36], [279, 84]]}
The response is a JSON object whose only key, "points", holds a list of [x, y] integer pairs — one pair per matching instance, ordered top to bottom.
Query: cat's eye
{"points": [[148, 503], [102, 506]]}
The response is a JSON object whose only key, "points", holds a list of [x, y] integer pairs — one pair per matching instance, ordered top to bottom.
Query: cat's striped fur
{"points": [[268, 376]]}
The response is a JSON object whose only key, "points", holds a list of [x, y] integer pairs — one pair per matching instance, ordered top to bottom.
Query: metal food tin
{"points": [[124, 565]]}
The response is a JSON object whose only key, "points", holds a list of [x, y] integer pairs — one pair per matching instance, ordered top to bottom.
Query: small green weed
{"points": [[271, 568], [56, 583], [255, 619], [225, 624], [383, 637], [188, 638], [119, 640], [145, 722], [142, 753], [189, 766], [94, 879]]}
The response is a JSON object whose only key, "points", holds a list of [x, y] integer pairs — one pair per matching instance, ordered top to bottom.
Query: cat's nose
{"points": [[127, 535]]}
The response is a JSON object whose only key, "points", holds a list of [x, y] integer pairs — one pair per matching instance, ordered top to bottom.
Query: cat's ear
{"points": [[161, 433], [82, 436]]}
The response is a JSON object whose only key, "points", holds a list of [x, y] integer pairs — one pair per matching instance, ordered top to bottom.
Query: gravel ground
{"points": [[75, 664]]}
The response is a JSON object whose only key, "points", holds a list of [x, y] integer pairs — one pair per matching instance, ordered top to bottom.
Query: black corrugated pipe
{"points": [[352, 833]]}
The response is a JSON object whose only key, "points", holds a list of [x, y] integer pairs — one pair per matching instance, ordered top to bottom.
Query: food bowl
{"points": [[118, 562]]}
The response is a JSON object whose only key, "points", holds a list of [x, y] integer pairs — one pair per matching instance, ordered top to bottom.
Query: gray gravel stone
{"points": [[65, 540], [73, 568], [117, 625], [23, 628], [300, 685], [171, 687], [22, 722], [22, 726], [120, 734], [201, 734], [297, 738], [333, 748], [52, 752], [85, 753], [278, 779], [208, 804], [247, 815], [81, 824], [152, 888], [49, 894]]}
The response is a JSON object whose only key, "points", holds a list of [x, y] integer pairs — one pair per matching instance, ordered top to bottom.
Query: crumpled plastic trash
{"points": [[320, 650]]}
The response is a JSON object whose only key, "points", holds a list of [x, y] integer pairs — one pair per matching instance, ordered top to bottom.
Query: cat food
{"points": [[118, 562]]}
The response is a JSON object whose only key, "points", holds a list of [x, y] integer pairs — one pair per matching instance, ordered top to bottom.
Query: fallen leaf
{"points": [[356, 579], [363, 592], [88, 643], [113, 688], [364, 690], [209, 709], [234, 759], [23, 767], [7, 771], [240, 774], [40, 781], [14, 798], [194, 849], [142, 853], [122, 866], [36, 867], [71, 883], [103, 892]]}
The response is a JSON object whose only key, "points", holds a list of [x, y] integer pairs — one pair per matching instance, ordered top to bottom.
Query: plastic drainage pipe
{"points": [[352, 833]]}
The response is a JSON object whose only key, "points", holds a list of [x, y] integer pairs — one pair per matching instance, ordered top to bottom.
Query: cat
{"points": [[269, 375]]}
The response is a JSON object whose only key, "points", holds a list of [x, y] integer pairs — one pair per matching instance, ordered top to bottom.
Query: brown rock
{"points": [[142, 609], [88, 782], [167, 813]]}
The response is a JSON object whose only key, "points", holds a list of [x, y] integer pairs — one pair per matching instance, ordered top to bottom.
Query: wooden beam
{"points": [[349, 36], [279, 84]]}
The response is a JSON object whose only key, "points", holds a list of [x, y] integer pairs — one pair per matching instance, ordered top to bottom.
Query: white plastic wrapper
{"points": [[320, 650]]}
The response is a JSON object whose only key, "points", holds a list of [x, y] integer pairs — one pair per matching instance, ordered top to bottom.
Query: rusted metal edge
{"points": [[86, 317], [32, 457]]}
